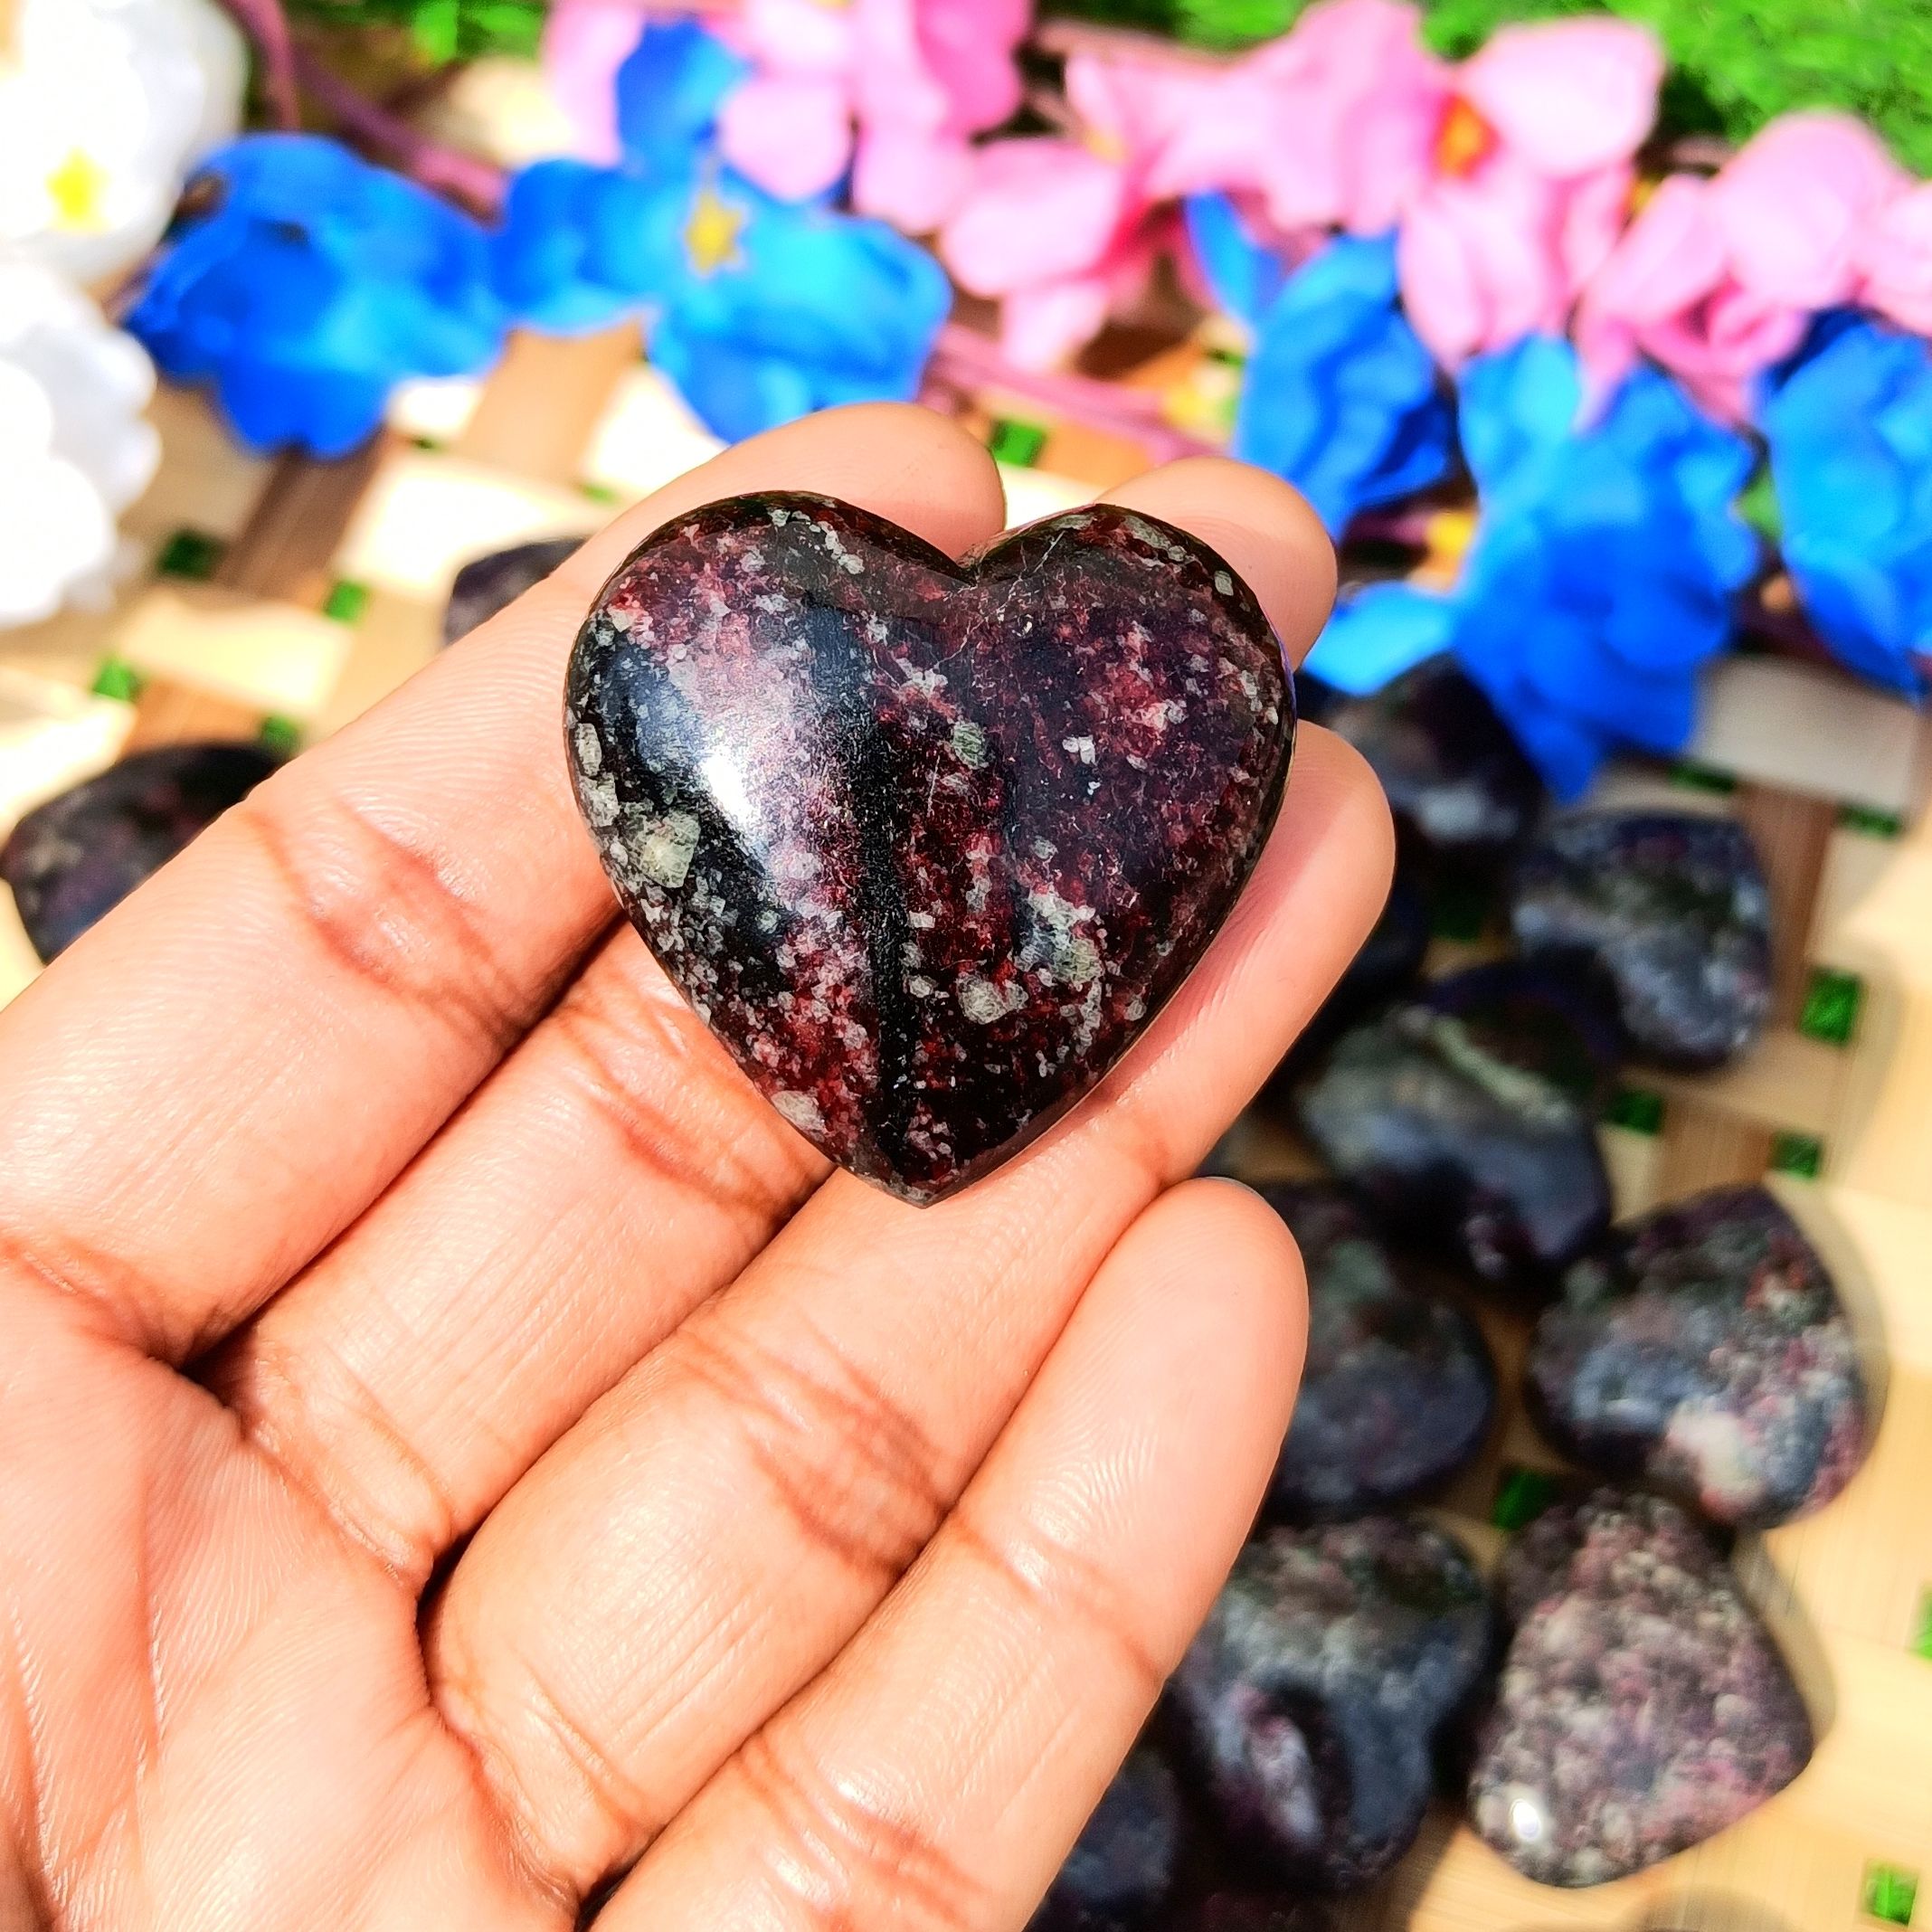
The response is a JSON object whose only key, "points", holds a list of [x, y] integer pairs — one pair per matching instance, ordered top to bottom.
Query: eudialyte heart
{"points": [[926, 843]]}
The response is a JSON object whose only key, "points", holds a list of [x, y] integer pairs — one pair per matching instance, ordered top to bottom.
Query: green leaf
{"points": [[436, 28], [1758, 507]]}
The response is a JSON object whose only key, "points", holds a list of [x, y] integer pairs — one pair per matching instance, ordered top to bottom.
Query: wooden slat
{"points": [[539, 407], [285, 548], [1793, 833]]}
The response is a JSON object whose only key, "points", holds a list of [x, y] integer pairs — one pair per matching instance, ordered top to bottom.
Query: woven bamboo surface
{"points": [[301, 593]]}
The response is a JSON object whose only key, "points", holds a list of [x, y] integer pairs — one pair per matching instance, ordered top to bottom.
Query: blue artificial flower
{"points": [[669, 92], [1242, 275], [314, 285], [784, 309], [758, 310], [1339, 396], [1850, 432], [1604, 571]]}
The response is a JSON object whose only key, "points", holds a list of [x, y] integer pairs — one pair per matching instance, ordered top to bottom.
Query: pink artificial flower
{"points": [[585, 41], [917, 77], [1331, 125], [1507, 177], [1528, 183], [1061, 231], [1894, 260], [1716, 279]]}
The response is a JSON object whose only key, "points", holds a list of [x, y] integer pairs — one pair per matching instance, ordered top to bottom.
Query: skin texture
{"points": [[459, 1449]]}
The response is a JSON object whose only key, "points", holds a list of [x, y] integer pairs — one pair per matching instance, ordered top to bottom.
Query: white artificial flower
{"points": [[104, 105], [75, 450]]}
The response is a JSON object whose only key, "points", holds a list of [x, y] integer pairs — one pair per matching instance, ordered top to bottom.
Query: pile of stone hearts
{"points": [[1616, 1699]]}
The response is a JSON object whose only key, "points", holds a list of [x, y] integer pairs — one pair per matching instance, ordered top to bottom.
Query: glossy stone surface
{"points": [[487, 584], [1461, 790], [926, 844], [73, 860], [1673, 909], [1466, 1117], [1704, 1349], [1398, 1388], [1313, 1698], [1643, 1705], [1123, 1866]]}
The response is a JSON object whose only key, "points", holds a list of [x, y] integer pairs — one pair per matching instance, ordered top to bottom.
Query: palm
{"points": [[461, 1454]]}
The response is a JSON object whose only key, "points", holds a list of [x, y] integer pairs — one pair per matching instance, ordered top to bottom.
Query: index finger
{"points": [[214, 1082]]}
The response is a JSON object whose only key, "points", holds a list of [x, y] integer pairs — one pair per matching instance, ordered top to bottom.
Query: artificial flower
{"points": [[585, 43], [888, 91], [104, 107], [1331, 125], [1507, 177], [1529, 180], [1062, 230], [1895, 259], [1717, 278], [310, 287], [757, 309], [1338, 396], [1849, 429], [75, 450], [1603, 573]]}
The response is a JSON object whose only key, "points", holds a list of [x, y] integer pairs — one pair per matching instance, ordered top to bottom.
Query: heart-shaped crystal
{"points": [[926, 843]]}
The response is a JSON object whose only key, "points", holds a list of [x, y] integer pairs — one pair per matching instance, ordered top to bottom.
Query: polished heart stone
{"points": [[487, 584], [926, 844], [73, 860], [1672, 908], [1466, 1116], [1704, 1349], [1398, 1389], [1312, 1699], [1643, 1705], [1122, 1868]]}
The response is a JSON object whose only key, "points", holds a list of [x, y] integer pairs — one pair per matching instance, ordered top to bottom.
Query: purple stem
{"points": [[265, 24], [446, 170]]}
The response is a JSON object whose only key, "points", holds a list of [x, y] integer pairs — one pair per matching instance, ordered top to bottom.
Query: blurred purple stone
{"points": [[487, 584], [74, 859], [1672, 908], [1467, 1119], [1704, 1349], [1398, 1388], [1311, 1700], [1643, 1706], [1123, 1866]]}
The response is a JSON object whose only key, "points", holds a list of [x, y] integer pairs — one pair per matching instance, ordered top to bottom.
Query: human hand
{"points": [[459, 1445]]}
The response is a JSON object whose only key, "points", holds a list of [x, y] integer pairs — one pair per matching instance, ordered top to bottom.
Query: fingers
{"points": [[222, 1075], [614, 1173], [712, 1533], [934, 1776]]}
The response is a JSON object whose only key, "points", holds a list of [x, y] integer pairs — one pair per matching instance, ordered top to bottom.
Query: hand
{"points": [[462, 1453]]}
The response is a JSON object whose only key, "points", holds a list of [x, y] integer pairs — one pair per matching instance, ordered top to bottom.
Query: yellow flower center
{"points": [[1463, 140], [1106, 144], [78, 188], [1640, 191], [712, 232], [1447, 536]]}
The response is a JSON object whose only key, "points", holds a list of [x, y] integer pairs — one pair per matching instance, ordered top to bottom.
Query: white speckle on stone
{"points": [[780, 516], [1224, 583], [969, 744], [1082, 748], [590, 750], [600, 800], [662, 849], [921, 922], [919, 986], [983, 1001], [1135, 1010], [800, 1109]]}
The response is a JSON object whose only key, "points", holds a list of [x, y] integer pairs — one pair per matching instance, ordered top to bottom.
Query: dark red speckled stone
{"points": [[925, 843]]}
